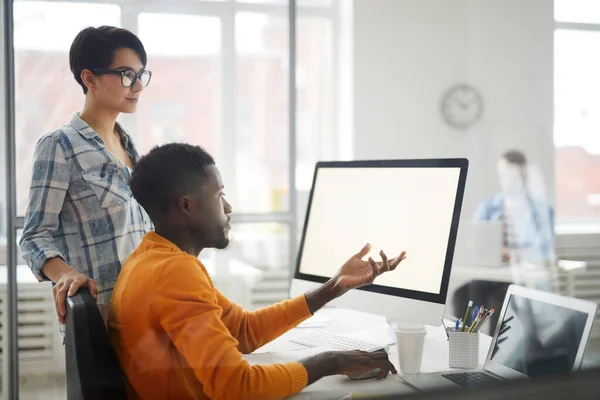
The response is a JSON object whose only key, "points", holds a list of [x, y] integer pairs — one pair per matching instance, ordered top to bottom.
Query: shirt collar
{"points": [[82, 127], [87, 132]]}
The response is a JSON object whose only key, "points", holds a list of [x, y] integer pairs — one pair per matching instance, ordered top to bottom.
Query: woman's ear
{"points": [[88, 79]]}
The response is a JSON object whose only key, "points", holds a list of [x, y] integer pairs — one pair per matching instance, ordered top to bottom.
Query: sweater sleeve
{"points": [[187, 308], [257, 328]]}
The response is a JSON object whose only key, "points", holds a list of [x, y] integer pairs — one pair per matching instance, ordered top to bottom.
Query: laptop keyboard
{"points": [[470, 379]]}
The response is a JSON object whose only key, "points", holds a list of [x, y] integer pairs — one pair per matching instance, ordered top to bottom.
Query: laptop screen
{"points": [[537, 338]]}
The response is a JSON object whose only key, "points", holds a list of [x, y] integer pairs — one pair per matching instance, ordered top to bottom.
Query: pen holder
{"points": [[464, 349]]}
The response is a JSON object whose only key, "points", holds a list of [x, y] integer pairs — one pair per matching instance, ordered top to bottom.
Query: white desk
{"points": [[435, 357]]}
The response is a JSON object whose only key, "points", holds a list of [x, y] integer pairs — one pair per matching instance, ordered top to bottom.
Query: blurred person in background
{"points": [[526, 215], [82, 221], [528, 232]]}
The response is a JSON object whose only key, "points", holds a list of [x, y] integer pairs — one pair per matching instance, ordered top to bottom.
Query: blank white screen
{"points": [[394, 209]]}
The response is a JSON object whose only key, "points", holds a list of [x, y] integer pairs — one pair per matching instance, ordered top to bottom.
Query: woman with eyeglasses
{"points": [[82, 222]]}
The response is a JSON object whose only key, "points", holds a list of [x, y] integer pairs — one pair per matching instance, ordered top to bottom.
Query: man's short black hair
{"points": [[95, 48], [515, 157], [166, 173]]}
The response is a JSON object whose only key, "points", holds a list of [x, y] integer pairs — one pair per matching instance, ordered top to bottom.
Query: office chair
{"points": [[93, 371]]}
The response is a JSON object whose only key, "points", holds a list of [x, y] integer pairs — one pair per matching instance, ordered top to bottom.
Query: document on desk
{"points": [[316, 321], [282, 357]]}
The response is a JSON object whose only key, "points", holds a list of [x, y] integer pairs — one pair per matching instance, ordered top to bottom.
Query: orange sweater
{"points": [[177, 337]]}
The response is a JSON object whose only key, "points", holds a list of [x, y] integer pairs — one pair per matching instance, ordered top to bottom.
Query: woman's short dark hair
{"points": [[95, 48], [515, 157]]}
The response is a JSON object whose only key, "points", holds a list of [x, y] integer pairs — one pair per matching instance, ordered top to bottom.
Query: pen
{"points": [[482, 312], [475, 314], [485, 318], [481, 319], [464, 322], [457, 324], [473, 324]]}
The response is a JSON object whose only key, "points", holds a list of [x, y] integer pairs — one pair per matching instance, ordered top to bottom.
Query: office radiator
{"points": [[583, 247], [273, 288], [40, 349]]}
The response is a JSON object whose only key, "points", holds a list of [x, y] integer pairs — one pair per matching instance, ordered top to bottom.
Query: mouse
{"points": [[365, 375]]}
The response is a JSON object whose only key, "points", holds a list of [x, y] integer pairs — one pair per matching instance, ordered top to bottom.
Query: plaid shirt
{"points": [[80, 206], [535, 233]]}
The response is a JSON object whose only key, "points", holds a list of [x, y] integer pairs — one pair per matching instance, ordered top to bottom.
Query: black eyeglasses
{"points": [[128, 76]]}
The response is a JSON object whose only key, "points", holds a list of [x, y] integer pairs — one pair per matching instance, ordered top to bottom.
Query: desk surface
{"points": [[435, 357]]}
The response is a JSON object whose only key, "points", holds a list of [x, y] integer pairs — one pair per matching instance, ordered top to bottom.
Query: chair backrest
{"points": [[93, 371]]}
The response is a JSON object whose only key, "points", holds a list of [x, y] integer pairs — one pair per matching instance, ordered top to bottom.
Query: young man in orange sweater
{"points": [[176, 336]]}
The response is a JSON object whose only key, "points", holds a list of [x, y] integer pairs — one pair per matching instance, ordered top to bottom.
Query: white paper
{"points": [[316, 321]]}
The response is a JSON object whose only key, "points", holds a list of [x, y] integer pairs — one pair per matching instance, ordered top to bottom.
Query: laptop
{"points": [[479, 244], [539, 333]]}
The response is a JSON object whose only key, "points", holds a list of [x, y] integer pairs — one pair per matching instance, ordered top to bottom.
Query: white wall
{"points": [[407, 52]]}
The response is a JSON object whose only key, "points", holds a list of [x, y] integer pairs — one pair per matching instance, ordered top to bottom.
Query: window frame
{"points": [[226, 12], [588, 225]]}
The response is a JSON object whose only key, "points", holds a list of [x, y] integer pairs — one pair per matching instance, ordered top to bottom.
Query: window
{"points": [[578, 11], [220, 80], [46, 93], [193, 93], [181, 103], [315, 114], [577, 114], [262, 152]]}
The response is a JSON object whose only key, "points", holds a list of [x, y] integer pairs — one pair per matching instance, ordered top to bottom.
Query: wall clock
{"points": [[462, 106]]}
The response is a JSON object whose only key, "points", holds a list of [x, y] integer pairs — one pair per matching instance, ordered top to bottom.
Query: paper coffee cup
{"points": [[410, 340]]}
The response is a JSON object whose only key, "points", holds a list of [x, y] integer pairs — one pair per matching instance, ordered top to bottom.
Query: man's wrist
{"points": [[323, 295], [321, 365]]}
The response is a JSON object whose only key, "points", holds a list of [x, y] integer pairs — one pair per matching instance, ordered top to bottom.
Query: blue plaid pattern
{"points": [[80, 206], [538, 234]]}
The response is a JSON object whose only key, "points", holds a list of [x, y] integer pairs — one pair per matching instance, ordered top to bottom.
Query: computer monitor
{"points": [[396, 205]]}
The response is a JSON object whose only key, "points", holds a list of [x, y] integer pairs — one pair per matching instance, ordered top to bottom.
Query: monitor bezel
{"points": [[461, 163]]}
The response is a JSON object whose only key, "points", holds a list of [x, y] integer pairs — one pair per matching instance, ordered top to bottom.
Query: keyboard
{"points": [[336, 342], [471, 379]]}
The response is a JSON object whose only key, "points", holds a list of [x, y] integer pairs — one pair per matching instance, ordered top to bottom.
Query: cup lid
{"points": [[408, 328]]}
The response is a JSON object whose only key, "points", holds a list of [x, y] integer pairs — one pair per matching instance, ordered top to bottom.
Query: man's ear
{"points": [[88, 79], [186, 205]]}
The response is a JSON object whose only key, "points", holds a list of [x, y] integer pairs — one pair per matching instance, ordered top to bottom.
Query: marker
{"points": [[464, 322], [457, 324]]}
